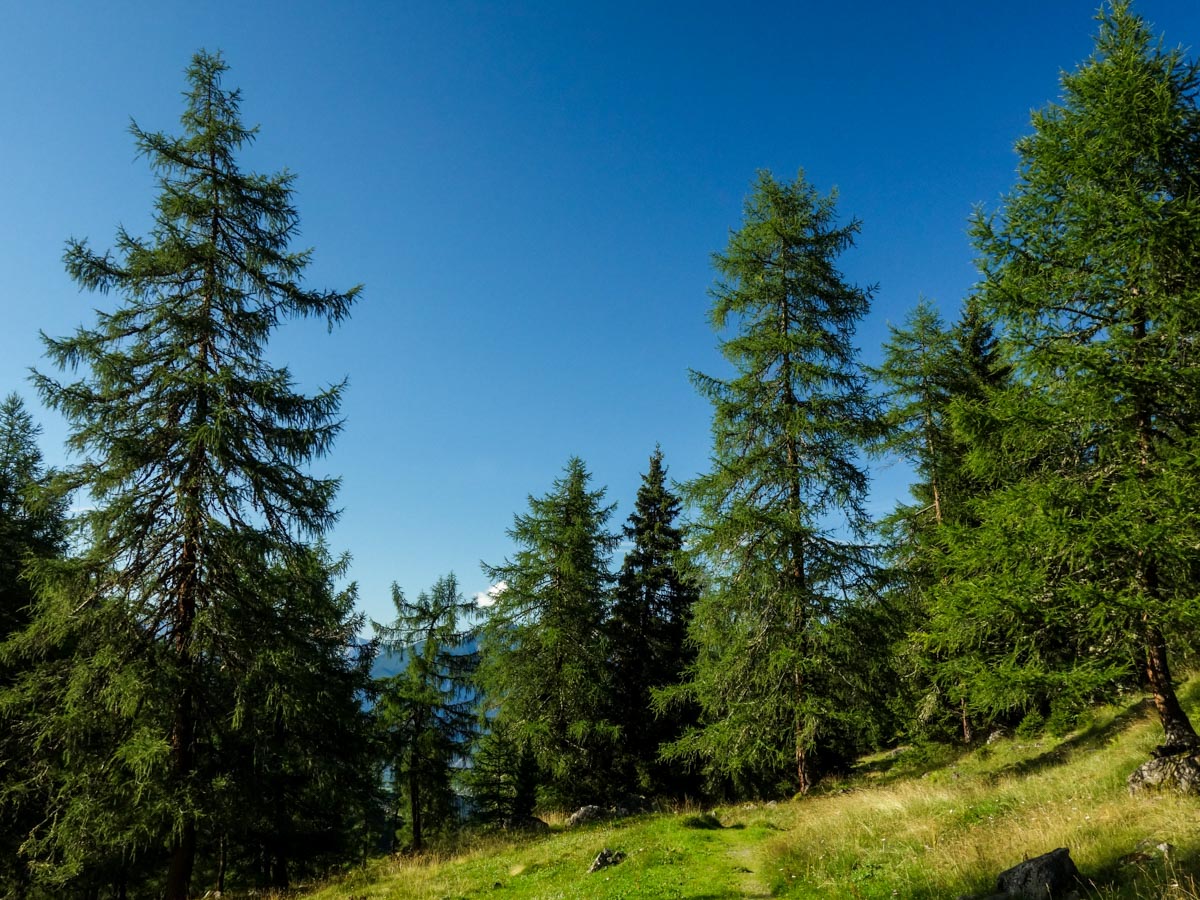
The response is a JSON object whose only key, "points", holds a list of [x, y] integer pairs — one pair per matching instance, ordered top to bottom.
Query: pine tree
{"points": [[1090, 268], [917, 372], [931, 375], [194, 452], [781, 520], [32, 526], [652, 607], [544, 653], [427, 711], [296, 779]]}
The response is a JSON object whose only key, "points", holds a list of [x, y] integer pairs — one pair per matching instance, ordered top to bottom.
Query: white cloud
{"points": [[488, 597]]}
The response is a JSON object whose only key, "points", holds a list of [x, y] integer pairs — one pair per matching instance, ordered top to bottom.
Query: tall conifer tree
{"points": [[194, 453], [781, 521], [32, 526], [1086, 562], [652, 607], [544, 651], [427, 711]]}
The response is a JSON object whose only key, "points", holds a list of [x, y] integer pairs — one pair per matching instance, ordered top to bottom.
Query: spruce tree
{"points": [[1090, 267], [194, 452], [780, 520], [652, 606], [544, 652], [427, 711]]}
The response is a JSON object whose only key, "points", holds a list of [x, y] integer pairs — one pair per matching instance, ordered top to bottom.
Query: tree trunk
{"points": [[1179, 735], [183, 857], [222, 864]]}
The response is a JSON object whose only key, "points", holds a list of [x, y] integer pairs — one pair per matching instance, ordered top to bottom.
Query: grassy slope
{"points": [[920, 823]]}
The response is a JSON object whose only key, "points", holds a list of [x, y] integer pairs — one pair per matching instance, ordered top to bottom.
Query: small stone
{"points": [[606, 858]]}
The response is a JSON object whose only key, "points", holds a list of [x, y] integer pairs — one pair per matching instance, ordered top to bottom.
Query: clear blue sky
{"points": [[531, 193]]}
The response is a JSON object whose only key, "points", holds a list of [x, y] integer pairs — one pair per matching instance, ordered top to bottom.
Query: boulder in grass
{"points": [[1179, 773], [586, 814], [1047, 877]]}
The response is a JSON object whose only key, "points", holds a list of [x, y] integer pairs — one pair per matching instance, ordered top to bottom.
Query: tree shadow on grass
{"points": [[1094, 737], [917, 761], [1145, 874]]}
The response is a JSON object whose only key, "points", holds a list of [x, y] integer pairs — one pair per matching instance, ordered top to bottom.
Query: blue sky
{"points": [[531, 194]]}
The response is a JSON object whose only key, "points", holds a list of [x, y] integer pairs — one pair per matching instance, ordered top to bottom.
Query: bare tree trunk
{"points": [[1179, 735]]}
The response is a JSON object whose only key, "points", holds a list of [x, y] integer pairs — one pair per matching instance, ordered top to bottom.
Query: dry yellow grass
{"points": [[921, 823]]}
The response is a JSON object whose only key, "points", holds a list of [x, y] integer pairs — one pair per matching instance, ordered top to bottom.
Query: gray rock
{"points": [[1180, 773], [584, 815], [606, 858], [1051, 875]]}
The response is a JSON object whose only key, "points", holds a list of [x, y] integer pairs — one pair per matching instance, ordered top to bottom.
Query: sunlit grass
{"points": [[921, 823]]}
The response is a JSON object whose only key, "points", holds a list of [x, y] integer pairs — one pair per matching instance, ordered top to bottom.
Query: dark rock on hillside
{"points": [[1051, 875]]}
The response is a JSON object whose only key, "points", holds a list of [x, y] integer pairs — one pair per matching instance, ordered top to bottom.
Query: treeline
{"points": [[184, 698]]}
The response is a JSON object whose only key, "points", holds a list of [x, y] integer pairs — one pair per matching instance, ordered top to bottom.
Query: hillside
{"points": [[920, 822]]}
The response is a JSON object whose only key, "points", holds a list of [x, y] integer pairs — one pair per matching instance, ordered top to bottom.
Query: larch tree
{"points": [[1092, 270], [928, 372], [194, 457], [780, 520], [543, 647], [426, 712]]}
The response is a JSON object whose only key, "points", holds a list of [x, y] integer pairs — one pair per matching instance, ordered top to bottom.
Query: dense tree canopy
{"points": [[194, 463], [780, 515], [1085, 561], [544, 651]]}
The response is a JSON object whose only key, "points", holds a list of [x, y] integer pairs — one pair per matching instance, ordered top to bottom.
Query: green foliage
{"points": [[931, 376], [780, 517], [32, 526], [1081, 570], [197, 589], [652, 607], [544, 652], [427, 711], [502, 781]]}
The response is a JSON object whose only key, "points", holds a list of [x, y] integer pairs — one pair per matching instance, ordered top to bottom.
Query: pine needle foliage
{"points": [[193, 462], [780, 521], [32, 526], [1082, 572], [652, 607], [544, 649], [427, 711]]}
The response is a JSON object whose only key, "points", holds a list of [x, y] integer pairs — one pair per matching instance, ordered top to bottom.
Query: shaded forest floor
{"points": [[920, 822]]}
